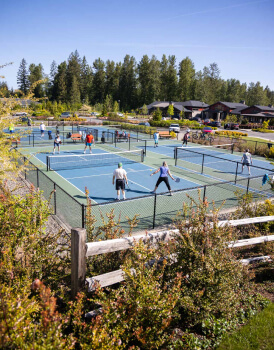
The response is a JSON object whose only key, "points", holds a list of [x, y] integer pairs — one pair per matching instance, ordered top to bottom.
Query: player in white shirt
{"points": [[42, 128], [121, 178]]}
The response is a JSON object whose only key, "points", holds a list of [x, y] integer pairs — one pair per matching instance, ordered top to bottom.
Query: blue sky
{"points": [[236, 34]]}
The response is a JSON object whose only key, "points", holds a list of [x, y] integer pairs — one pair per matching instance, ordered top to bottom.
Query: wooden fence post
{"points": [[78, 260]]}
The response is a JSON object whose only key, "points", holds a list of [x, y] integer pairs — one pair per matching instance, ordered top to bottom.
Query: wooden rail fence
{"points": [[80, 250]]}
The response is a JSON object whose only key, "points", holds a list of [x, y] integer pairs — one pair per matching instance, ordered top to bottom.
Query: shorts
{"points": [[11, 131], [42, 132], [156, 141], [56, 144], [88, 144], [246, 163], [165, 179], [120, 184]]}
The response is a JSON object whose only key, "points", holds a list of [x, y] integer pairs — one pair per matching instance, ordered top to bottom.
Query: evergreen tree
{"points": [[36, 74], [22, 77], [73, 77], [112, 79], [144, 79], [163, 79], [86, 80], [186, 80], [99, 81], [169, 81], [155, 82], [128, 83], [212, 83], [50, 84], [60, 86], [74, 92], [256, 95]]}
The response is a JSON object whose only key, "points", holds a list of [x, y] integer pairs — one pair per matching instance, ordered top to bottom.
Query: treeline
{"points": [[136, 83]]}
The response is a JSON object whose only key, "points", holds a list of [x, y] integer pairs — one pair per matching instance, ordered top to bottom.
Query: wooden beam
{"points": [[251, 241], [114, 245], [256, 259], [78, 260]]}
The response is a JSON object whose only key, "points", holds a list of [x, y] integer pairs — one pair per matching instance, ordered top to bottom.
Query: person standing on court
{"points": [[29, 123], [11, 128], [42, 128], [156, 138], [185, 138], [89, 142], [57, 143], [246, 160], [164, 173], [121, 178]]}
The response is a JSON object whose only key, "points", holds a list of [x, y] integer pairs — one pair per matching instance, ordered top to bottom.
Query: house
{"points": [[196, 107], [190, 108], [219, 110], [257, 113]]}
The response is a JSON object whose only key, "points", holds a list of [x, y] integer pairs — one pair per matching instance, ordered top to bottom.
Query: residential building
{"points": [[219, 110], [257, 113]]}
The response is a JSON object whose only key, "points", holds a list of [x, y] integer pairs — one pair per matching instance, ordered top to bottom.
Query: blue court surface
{"points": [[98, 179]]}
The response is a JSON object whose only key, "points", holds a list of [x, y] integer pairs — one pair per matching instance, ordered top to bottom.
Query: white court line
{"points": [[132, 171], [64, 178], [136, 183]]}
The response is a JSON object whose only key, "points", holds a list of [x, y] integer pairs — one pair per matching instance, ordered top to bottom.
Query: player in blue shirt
{"points": [[164, 173]]}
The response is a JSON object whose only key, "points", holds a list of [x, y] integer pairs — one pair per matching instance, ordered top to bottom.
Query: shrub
{"points": [[231, 133]]}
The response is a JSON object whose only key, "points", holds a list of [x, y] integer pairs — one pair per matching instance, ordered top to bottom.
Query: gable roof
{"points": [[193, 103], [232, 105], [265, 108]]}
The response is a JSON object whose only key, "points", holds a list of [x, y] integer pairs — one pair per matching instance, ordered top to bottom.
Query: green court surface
{"points": [[69, 201]]}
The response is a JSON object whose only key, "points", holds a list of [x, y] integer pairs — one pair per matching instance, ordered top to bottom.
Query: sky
{"points": [[236, 34]]}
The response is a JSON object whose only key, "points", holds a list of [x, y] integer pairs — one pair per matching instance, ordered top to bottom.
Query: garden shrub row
{"points": [[230, 133]]}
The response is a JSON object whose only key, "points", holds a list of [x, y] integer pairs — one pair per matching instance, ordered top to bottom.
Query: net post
{"points": [[137, 136], [29, 139], [33, 140], [115, 140], [129, 143], [145, 147], [232, 148], [142, 155], [176, 155], [203, 160], [47, 163], [236, 173], [247, 187], [204, 193], [54, 197], [154, 211], [83, 215]]}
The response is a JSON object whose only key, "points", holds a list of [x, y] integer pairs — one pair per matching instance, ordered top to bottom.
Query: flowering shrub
{"points": [[231, 133]]}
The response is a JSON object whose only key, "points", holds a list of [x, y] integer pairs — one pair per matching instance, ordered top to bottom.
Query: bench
{"points": [[164, 134], [76, 137]]}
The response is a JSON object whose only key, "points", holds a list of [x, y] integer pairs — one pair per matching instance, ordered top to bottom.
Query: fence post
{"points": [[137, 136], [33, 140], [115, 140], [129, 143], [256, 146], [145, 147], [176, 155], [203, 160], [25, 168], [236, 173], [37, 176], [247, 187], [204, 193], [54, 197], [154, 211], [83, 215], [78, 260]]}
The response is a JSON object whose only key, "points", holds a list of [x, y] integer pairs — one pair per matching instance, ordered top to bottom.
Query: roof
{"points": [[193, 103], [231, 105], [181, 107], [265, 108], [238, 110], [268, 115]]}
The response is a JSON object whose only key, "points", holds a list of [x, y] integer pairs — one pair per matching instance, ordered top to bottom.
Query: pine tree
{"points": [[36, 74], [22, 77], [73, 77], [86, 80], [186, 80], [99, 81], [128, 83], [60, 86]]}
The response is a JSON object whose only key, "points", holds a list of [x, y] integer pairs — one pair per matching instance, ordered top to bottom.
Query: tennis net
{"points": [[216, 150], [74, 161]]}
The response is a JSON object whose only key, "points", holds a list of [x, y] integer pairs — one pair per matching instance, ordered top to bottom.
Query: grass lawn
{"points": [[257, 334]]}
